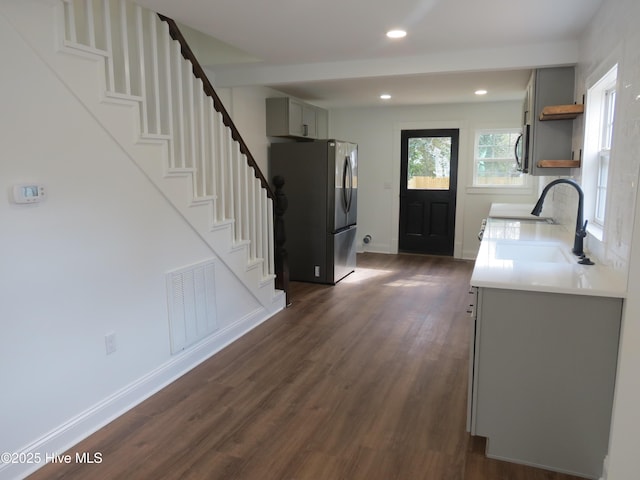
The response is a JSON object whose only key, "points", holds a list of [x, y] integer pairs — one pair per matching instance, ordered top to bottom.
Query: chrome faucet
{"points": [[581, 229]]}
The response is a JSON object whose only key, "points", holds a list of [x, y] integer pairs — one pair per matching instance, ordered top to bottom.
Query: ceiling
{"points": [[335, 53]]}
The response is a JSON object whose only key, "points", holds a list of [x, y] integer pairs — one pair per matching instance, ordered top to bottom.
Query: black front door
{"points": [[428, 175]]}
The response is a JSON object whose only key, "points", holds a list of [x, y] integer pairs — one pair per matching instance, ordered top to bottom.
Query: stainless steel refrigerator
{"points": [[321, 184]]}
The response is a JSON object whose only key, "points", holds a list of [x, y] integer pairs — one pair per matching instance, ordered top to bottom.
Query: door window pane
{"points": [[429, 164]]}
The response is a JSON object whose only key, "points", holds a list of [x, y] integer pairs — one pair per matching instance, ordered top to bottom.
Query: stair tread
{"points": [[86, 49], [129, 97], [155, 136], [203, 200]]}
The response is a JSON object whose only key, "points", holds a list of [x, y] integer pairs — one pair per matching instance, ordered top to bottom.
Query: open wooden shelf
{"points": [[561, 112], [558, 164]]}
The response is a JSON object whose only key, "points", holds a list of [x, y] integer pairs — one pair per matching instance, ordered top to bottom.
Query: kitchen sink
{"points": [[523, 251]]}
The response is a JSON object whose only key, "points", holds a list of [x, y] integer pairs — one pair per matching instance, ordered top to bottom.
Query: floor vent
{"points": [[192, 304]]}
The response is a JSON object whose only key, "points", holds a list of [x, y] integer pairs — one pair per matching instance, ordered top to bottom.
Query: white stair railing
{"points": [[144, 64]]}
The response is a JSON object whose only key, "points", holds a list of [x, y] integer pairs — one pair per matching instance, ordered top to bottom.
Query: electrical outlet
{"points": [[110, 343]]}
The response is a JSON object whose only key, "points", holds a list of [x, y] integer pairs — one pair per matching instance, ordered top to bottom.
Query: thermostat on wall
{"points": [[28, 193]]}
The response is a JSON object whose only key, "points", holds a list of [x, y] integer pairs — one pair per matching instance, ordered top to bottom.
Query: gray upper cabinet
{"points": [[549, 110], [289, 117]]}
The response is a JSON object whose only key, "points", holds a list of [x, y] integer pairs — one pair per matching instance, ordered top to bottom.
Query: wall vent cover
{"points": [[192, 304]]}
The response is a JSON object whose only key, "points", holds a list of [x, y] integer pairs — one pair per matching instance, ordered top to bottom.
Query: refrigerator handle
{"points": [[350, 184], [348, 195]]}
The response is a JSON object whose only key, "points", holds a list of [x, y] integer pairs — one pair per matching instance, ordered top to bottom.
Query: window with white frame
{"points": [[600, 109], [604, 153], [494, 158]]}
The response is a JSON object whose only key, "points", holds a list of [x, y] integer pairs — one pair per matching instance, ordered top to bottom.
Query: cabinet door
{"points": [[528, 101], [295, 118], [302, 119], [309, 121], [322, 123], [545, 372], [472, 400]]}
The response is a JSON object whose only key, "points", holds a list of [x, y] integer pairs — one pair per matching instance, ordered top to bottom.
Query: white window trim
{"points": [[594, 131], [527, 185]]}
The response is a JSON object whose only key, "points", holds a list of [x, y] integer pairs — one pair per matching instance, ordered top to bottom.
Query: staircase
{"points": [[121, 62]]}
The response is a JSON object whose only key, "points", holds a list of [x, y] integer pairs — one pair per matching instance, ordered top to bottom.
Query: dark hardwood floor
{"points": [[364, 380]]}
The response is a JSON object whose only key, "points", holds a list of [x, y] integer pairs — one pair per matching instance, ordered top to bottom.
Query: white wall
{"points": [[613, 36], [605, 43], [247, 108], [377, 132], [88, 261]]}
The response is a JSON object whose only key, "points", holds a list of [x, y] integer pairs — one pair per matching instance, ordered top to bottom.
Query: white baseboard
{"points": [[374, 248], [470, 254], [91, 420], [605, 468]]}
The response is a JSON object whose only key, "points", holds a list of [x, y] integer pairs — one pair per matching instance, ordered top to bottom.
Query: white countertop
{"points": [[503, 262]]}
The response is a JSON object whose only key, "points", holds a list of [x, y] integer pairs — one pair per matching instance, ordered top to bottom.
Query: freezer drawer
{"points": [[344, 253], [324, 259]]}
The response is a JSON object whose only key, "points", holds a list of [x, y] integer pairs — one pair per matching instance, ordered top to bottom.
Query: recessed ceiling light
{"points": [[396, 34], [480, 92], [385, 96]]}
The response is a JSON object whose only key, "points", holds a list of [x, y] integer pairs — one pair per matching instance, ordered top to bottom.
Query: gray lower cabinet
{"points": [[542, 376]]}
